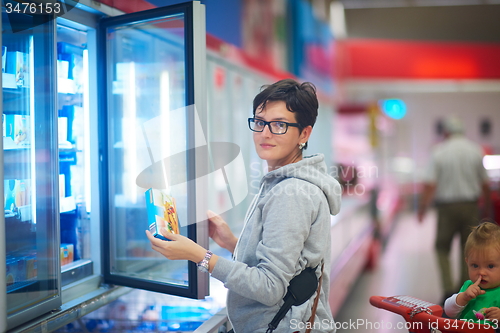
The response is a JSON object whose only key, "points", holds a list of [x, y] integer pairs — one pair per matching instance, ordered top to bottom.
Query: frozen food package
{"points": [[162, 213]]}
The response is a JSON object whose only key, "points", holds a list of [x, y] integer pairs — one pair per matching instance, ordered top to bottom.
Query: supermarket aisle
{"points": [[407, 267]]}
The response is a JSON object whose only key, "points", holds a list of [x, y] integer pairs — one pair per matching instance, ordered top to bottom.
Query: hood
{"points": [[311, 169]]}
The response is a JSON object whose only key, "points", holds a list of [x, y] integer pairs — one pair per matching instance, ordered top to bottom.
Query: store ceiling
{"points": [[353, 4], [439, 20]]}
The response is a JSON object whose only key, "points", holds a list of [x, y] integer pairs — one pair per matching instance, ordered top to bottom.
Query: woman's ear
{"points": [[305, 134]]}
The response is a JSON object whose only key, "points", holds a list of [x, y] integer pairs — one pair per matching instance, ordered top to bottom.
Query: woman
{"points": [[287, 226]]}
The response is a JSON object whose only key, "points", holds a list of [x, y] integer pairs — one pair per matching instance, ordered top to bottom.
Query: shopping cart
{"points": [[425, 317]]}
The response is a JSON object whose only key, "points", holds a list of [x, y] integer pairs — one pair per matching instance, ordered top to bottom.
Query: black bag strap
{"points": [[300, 289], [316, 299]]}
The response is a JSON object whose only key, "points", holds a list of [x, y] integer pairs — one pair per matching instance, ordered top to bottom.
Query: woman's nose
{"points": [[267, 131]]}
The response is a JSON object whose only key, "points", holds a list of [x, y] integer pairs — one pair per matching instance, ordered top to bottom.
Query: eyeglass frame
{"points": [[268, 124]]}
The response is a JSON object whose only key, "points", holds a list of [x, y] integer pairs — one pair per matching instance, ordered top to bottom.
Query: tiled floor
{"points": [[408, 266]]}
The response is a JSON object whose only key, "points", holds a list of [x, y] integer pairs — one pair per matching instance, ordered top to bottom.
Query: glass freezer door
{"points": [[153, 69], [29, 156]]}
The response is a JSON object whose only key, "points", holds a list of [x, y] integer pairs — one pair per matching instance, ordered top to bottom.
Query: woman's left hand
{"points": [[178, 248]]}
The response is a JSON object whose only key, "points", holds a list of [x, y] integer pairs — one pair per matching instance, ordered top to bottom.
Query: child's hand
{"points": [[472, 292], [492, 313]]}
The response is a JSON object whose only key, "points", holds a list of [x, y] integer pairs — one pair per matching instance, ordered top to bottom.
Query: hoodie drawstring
{"points": [[250, 210]]}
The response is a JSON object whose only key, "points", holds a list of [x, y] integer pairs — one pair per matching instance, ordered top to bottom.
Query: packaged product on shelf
{"points": [[67, 48], [73, 56], [4, 57], [17, 64], [75, 64], [62, 69], [76, 71], [9, 80], [68, 112], [9, 121], [8, 125], [17, 127], [21, 129], [62, 129], [78, 129], [62, 185], [9, 186], [22, 192], [23, 199], [67, 204], [162, 213], [67, 254], [31, 267], [21, 269], [16, 271], [11, 272]]}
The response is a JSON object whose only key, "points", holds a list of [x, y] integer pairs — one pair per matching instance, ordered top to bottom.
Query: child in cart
{"points": [[479, 297]]}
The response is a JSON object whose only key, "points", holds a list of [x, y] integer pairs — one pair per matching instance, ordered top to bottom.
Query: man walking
{"points": [[455, 178]]}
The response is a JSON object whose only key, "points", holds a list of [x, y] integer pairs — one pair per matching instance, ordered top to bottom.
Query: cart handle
{"points": [[415, 310]]}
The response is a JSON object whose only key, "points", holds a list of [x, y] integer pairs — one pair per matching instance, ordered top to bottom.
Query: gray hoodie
{"points": [[287, 229]]}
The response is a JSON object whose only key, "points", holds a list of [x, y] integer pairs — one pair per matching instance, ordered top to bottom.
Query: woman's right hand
{"points": [[220, 232]]}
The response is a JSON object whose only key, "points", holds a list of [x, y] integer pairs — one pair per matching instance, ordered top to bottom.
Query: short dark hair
{"points": [[300, 98]]}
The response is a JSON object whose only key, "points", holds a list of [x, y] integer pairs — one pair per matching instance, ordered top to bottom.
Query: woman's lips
{"points": [[266, 145]]}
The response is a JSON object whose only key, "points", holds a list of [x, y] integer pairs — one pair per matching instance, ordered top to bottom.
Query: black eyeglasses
{"points": [[276, 127]]}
